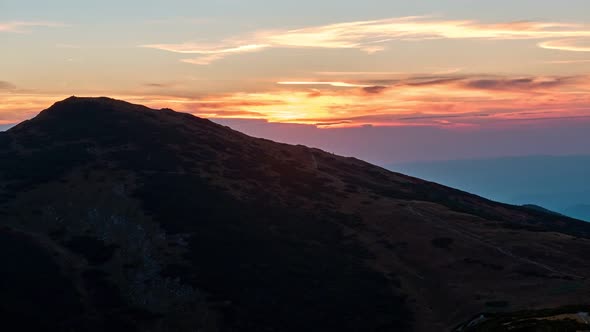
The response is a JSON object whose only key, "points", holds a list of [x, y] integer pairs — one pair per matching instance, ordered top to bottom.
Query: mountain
{"points": [[558, 183], [541, 209], [119, 217]]}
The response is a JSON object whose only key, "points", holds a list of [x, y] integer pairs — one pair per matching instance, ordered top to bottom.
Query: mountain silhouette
{"points": [[120, 217]]}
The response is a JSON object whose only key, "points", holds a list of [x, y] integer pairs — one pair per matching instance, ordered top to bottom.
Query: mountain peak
{"points": [[93, 103], [109, 109], [84, 113], [91, 117], [96, 118], [156, 215]]}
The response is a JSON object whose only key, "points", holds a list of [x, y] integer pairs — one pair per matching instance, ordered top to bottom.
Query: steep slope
{"points": [[154, 220]]}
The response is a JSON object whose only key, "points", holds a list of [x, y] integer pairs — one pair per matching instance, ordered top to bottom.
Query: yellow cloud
{"points": [[571, 44], [566, 62], [334, 84]]}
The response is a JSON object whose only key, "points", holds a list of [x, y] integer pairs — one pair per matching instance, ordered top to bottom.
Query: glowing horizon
{"points": [[453, 69], [445, 100]]}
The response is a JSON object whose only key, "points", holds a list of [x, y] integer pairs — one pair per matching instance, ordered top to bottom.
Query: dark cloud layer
{"points": [[472, 82], [519, 83], [158, 85], [6, 86], [374, 89]]}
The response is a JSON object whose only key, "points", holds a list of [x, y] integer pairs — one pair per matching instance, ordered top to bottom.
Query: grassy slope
{"points": [[178, 223]]}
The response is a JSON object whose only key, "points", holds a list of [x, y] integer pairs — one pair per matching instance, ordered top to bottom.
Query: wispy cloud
{"points": [[25, 26], [374, 35], [568, 44], [209, 53], [566, 62], [358, 73], [528, 83], [333, 84], [160, 85], [7, 86], [374, 89]]}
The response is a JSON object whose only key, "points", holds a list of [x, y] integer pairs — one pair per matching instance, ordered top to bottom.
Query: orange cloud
{"points": [[372, 36], [442, 101], [457, 101], [16, 107]]}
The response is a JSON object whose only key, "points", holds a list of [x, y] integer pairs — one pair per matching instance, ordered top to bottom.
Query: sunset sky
{"points": [[383, 80]]}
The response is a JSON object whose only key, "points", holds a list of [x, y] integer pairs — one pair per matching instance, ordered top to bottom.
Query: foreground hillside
{"points": [[119, 217]]}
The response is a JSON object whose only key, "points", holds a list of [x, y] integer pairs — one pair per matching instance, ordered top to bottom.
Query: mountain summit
{"points": [[116, 217]]}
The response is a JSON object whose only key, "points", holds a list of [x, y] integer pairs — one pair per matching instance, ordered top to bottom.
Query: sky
{"points": [[387, 81]]}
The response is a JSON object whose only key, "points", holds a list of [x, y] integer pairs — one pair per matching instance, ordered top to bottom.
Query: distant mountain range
{"points": [[5, 127], [560, 184], [580, 211], [117, 217]]}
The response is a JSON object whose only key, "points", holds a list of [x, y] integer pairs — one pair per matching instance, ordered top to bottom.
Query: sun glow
{"points": [[437, 101]]}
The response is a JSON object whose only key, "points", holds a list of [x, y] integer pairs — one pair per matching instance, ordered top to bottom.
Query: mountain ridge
{"points": [[557, 183], [162, 220]]}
